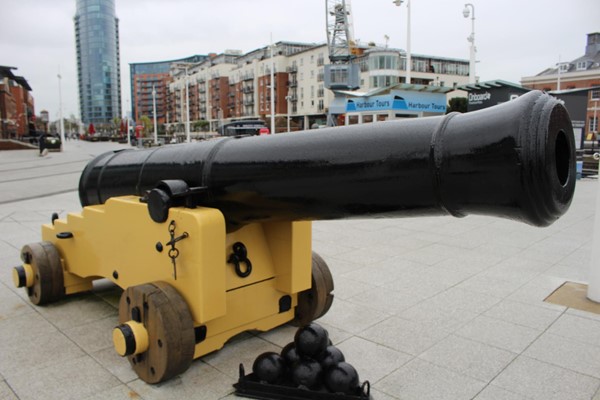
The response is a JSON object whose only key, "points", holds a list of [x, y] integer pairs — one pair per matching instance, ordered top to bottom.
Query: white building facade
{"points": [[235, 86]]}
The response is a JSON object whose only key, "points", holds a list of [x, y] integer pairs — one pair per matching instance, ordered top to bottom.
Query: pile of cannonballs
{"points": [[310, 361]]}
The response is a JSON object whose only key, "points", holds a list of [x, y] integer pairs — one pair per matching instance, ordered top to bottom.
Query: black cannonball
{"points": [[311, 340], [289, 354], [330, 357], [269, 367], [307, 373], [341, 378]]}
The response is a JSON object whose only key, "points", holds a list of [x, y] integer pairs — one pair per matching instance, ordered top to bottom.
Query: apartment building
{"points": [[98, 60], [149, 77], [234, 85]]}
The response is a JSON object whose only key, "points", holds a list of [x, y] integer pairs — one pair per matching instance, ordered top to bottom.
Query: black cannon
{"points": [[515, 160], [227, 245]]}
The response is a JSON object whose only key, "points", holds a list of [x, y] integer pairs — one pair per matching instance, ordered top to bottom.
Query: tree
{"points": [[458, 104], [148, 125], [201, 125]]}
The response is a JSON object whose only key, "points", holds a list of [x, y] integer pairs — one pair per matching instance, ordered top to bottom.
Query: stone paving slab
{"points": [[426, 308]]}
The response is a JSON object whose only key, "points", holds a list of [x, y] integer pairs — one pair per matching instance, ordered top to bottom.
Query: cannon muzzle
{"points": [[515, 160]]}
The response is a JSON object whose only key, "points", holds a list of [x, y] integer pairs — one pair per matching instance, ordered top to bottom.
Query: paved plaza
{"points": [[425, 308]]}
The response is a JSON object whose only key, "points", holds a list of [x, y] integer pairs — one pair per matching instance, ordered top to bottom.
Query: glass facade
{"points": [[98, 63], [385, 68]]}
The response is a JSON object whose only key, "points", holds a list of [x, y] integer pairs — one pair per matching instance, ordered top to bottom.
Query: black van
{"points": [[245, 127]]}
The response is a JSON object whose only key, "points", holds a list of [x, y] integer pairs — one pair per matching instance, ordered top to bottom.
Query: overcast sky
{"points": [[514, 38]]}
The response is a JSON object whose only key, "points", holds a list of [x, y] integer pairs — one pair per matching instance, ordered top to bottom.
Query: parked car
{"points": [[244, 127], [52, 142]]}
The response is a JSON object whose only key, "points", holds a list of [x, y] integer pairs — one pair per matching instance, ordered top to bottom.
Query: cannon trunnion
{"points": [[212, 239]]}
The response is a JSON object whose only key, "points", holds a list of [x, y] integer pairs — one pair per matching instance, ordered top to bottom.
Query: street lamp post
{"points": [[471, 39], [408, 55], [272, 90], [288, 98], [187, 103], [187, 108], [154, 113], [220, 119], [62, 124], [128, 125]]}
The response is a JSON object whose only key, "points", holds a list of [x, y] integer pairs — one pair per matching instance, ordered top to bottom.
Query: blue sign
{"points": [[399, 101]]}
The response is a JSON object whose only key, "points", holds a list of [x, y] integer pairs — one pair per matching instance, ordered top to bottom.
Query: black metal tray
{"points": [[249, 386]]}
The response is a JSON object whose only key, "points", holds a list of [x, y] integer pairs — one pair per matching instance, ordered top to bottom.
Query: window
{"points": [[419, 65], [581, 65], [563, 67], [339, 75], [383, 81], [595, 94], [593, 124]]}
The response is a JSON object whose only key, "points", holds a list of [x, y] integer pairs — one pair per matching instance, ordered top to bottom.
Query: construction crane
{"points": [[339, 31], [341, 73]]}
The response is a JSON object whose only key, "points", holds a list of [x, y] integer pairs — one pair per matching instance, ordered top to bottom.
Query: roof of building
{"points": [[294, 48], [194, 58], [590, 61], [592, 64], [5, 72], [489, 85], [571, 91]]}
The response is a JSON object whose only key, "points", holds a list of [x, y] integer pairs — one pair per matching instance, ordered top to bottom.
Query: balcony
{"points": [[292, 69], [293, 83]]}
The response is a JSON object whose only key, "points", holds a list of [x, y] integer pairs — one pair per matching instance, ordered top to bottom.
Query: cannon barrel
{"points": [[515, 160]]}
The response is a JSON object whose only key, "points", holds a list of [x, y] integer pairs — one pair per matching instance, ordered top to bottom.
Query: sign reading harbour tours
{"points": [[399, 101]]}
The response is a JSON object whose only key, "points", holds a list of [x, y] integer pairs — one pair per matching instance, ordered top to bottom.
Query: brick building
{"points": [[581, 73], [153, 75], [17, 111]]}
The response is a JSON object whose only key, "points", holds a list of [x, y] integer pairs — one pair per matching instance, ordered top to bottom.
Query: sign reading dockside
{"points": [[399, 100]]}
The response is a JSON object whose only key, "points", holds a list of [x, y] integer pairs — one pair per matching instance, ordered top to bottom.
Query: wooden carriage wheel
{"points": [[42, 262], [316, 301], [169, 330]]}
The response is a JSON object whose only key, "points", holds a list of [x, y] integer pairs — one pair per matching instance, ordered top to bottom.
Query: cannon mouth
{"points": [[550, 154], [562, 158]]}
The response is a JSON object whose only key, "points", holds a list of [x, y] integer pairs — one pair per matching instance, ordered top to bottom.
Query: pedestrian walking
{"points": [[42, 143]]}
